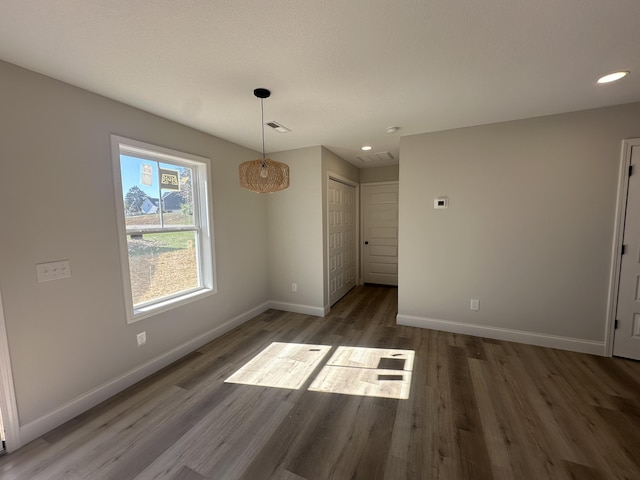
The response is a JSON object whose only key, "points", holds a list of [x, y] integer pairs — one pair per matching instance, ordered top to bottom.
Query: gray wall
{"points": [[334, 164], [389, 173], [530, 224], [297, 230], [294, 234], [70, 337]]}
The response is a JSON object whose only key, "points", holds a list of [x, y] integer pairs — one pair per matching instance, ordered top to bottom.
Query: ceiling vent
{"points": [[278, 127], [375, 157]]}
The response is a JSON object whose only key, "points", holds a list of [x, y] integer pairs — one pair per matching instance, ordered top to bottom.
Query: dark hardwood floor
{"points": [[476, 409]]}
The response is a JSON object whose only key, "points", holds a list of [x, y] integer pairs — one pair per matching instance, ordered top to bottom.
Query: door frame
{"points": [[389, 182], [356, 185], [616, 249], [8, 404]]}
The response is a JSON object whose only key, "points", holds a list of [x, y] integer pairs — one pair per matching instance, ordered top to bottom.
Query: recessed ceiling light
{"points": [[612, 77], [366, 148]]}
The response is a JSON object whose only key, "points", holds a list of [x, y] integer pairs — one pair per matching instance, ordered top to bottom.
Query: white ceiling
{"points": [[340, 71]]}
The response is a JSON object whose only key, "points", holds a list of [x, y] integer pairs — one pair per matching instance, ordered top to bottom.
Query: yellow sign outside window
{"points": [[169, 179]]}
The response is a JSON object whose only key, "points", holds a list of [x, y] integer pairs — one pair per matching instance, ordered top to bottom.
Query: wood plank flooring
{"points": [[477, 409]]}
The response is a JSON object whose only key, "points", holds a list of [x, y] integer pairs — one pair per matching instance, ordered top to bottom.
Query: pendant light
{"points": [[264, 175]]}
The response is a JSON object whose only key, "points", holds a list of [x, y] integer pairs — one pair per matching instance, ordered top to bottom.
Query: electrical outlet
{"points": [[53, 270], [294, 287], [475, 304], [142, 338]]}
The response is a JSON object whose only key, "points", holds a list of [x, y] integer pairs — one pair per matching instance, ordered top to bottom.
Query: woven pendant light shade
{"points": [[264, 175]]}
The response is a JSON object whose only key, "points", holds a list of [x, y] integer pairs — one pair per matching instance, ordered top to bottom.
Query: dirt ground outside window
{"points": [[161, 264]]}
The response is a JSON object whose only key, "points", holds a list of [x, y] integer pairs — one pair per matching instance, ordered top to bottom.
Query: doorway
{"points": [[380, 232], [626, 313]]}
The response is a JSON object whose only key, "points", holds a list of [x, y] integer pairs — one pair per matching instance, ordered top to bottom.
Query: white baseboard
{"points": [[295, 308], [518, 336], [78, 405]]}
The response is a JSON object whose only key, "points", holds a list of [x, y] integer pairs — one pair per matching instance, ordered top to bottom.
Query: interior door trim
{"points": [[616, 248], [7, 392]]}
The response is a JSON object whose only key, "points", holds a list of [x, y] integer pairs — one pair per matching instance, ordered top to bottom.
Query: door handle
{"points": [[366, 242]]}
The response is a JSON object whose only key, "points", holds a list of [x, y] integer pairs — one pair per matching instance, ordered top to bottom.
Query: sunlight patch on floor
{"points": [[281, 365], [372, 372]]}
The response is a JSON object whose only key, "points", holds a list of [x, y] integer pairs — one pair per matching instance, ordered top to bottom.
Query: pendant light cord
{"points": [[262, 125]]}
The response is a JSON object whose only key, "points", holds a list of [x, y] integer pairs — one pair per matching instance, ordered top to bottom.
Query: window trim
{"points": [[203, 225]]}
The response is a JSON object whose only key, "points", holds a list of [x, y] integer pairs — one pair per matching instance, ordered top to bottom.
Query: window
{"points": [[165, 240]]}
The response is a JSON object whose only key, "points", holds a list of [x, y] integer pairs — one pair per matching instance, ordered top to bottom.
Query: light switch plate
{"points": [[53, 270]]}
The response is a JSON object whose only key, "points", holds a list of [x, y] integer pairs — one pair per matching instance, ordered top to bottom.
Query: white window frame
{"points": [[203, 225]]}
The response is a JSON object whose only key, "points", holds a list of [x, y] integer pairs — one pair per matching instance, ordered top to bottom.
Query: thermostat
{"points": [[441, 202]]}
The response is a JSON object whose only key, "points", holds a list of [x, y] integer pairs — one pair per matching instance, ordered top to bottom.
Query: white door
{"points": [[380, 233], [342, 239], [626, 341], [8, 410]]}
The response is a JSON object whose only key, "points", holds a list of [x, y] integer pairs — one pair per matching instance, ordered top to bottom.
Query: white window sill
{"points": [[147, 311]]}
